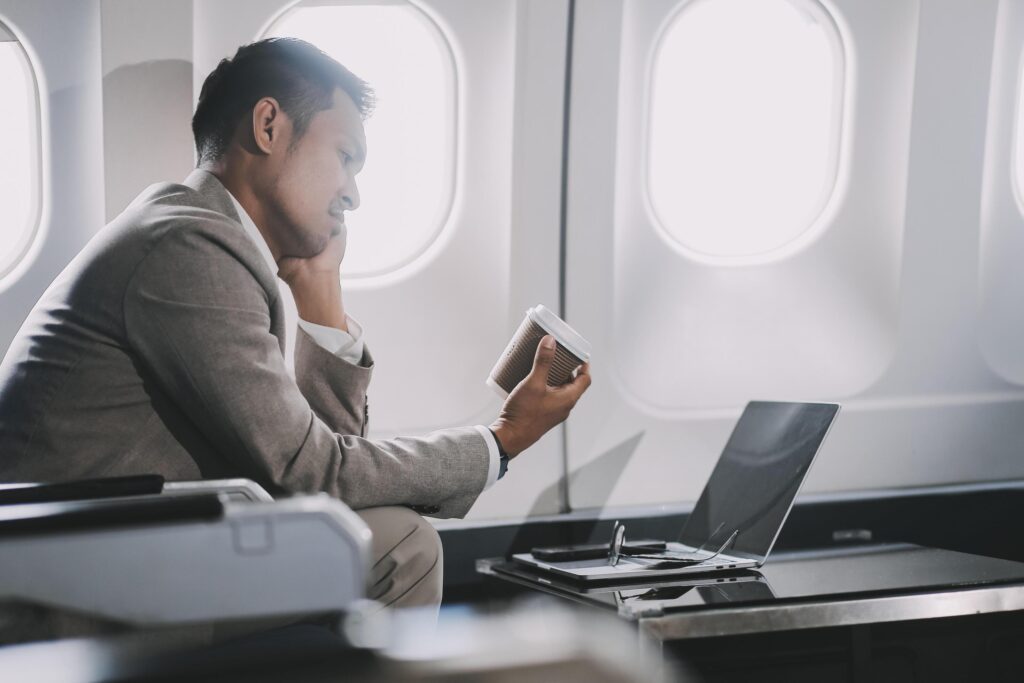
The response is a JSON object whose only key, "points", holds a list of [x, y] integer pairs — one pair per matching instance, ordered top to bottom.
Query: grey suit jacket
{"points": [[159, 349]]}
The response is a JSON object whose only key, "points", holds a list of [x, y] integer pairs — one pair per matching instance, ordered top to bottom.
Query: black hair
{"points": [[295, 73]]}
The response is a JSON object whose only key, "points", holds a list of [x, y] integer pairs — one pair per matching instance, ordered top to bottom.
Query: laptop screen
{"points": [[758, 475]]}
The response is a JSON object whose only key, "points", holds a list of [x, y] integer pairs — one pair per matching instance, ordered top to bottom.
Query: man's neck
{"points": [[233, 181]]}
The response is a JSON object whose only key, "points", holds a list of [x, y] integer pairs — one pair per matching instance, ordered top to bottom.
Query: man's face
{"points": [[314, 183]]}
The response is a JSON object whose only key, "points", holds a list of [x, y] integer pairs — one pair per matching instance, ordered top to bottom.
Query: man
{"points": [[160, 347]]}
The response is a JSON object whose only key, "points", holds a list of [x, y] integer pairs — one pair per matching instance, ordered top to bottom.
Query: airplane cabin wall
{"points": [[71, 159], [904, 305], [879, 312]]}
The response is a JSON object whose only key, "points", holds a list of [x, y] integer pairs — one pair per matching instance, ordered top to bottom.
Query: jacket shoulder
{"points": [[182, 205], [186, 232]]}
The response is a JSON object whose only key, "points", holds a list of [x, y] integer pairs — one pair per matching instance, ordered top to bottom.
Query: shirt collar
{"points": [[254, 234]]}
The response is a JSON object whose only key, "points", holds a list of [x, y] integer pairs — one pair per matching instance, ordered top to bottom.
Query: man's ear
{"points": [[268, 123]]}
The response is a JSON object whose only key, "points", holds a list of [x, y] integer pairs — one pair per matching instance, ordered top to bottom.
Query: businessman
{"points": [[160, 347]]}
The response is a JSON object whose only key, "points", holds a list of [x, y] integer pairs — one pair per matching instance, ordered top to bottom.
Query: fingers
{"points": [[542, 361], [583, 370], [580, 383]]}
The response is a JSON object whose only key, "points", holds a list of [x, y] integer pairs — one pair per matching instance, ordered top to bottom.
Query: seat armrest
{"points": [[83, 489], [235, 490], [97, 515]]}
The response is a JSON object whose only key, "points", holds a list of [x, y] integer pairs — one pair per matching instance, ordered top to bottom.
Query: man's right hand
{"points": [[533, 407]]}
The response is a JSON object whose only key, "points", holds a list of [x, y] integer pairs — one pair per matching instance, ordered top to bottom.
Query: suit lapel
{"points": [[218, 199]]}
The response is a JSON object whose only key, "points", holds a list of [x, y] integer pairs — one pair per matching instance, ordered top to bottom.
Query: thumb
{"points": [[542, 361]]}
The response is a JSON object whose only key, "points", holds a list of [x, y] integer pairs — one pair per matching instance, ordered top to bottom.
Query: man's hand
{"points": [[316, 284], [533, 407]]}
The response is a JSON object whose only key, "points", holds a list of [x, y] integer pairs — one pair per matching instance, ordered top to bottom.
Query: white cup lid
{"points": [[561, 331]]}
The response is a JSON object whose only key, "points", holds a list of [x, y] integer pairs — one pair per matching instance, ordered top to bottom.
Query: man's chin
{"points": [[321, 239], [310, 244], [309, 248]]}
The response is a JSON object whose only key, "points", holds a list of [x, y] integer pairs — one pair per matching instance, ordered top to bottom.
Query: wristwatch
{"points": [[502, 455]]}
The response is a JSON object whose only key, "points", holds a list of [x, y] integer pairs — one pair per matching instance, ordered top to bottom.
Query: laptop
{"points": [[743, 506], [661, 585]]}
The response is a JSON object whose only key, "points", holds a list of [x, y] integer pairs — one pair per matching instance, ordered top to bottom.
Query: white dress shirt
{"points": [[347, 345]]}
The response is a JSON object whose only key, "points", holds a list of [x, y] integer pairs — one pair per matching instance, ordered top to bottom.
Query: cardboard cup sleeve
{"points": [[515, 363]]}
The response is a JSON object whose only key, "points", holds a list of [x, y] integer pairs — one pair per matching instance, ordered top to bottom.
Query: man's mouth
{"points": [[339, 225]]}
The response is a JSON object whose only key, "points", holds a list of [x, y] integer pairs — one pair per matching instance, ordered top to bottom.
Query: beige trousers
{"points": [[407, 558]]}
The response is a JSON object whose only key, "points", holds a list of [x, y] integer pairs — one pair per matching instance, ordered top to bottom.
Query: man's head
{"points": [[281, 123]]}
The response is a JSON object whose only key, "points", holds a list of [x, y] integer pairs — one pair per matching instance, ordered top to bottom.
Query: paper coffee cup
{"points": [[515, 363]]}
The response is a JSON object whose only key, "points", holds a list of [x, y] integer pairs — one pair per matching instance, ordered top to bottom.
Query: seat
{"points": [[147, 553]]}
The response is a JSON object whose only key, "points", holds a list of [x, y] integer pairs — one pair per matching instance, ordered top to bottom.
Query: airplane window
{"points": [[744, 125], [19, 153], [407, 184]]}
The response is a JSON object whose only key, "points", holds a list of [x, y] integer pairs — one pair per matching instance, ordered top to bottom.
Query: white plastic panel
{"points": [[70, 135], [1018, 137], [20, 153], [1002, 225], [879, 311], [437, 326]]}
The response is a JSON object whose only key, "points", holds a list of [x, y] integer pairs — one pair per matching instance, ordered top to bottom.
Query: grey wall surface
{"points": [[147, 96]]}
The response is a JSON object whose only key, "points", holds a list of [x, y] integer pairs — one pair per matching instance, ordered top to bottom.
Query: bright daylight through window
{"points": [[744, 124], [19, 154], [407, 184]]}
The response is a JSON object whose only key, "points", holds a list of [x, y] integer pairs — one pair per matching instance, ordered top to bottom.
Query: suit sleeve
{"points": [[199, 321], [334, 387]]}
